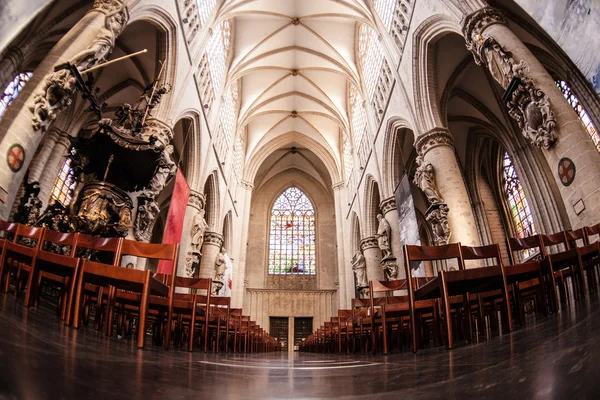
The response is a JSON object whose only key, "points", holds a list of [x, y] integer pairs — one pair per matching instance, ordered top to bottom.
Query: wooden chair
{"points": [[7, 234], [22, 252], [588, 253], [55, 262], [558, 266], [525, 278], [128, 279], [488, 282], [446, 284], [189, 310], [218, 321], [362, 323], [235, 324], [345, 331]]}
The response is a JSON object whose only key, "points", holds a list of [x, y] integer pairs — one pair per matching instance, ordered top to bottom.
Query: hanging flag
{"points": [[174, 225]]}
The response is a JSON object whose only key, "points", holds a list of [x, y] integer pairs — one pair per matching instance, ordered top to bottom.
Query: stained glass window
{"points": [[205, 8], [218, 51], [370, 55], [11, 92], [583, 115], [65, 183], [518, 206], [292, 238]]}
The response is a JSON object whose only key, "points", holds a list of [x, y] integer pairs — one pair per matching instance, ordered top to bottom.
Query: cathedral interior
{"points": [[299, 198]]}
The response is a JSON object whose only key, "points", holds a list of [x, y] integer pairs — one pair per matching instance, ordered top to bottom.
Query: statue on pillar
{"points": [[425, 180], [199, 227], [384, 232], [359, 266], [220, 269]]}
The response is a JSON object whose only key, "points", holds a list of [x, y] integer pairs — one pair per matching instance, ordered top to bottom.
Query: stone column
{"points": [[49, 92], [548, 120], [437, 148], [53, 164], [195, 204], [390, 213], [210, 249], [372, 253], [343, 266], [239, 277]]}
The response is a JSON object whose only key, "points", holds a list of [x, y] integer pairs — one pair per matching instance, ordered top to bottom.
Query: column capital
{"points": [[109, 6], [477, 22], [159, 130], [62, 138], [434, 138], [246, 184], [338, 186], [196, 200], [388, 205], [213, 238], [368, 243]]}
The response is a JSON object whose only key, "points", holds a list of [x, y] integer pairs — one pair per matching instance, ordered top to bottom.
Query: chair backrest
{"points": [[8, 229], [592, 231], [29, 232], [574, 236], [51, 239], [556, 239], [98, 244], [520, 244], [491, 251], [442, 254], [386, 287], [220, 306], [345, 315]]}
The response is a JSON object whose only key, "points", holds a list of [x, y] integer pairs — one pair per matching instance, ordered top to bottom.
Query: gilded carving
{"points": [[144, 221]]}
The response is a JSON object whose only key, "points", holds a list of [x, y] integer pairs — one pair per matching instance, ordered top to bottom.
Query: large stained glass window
{"points": [[12, 90], [583, 115], [518, 206], [292, 238]]}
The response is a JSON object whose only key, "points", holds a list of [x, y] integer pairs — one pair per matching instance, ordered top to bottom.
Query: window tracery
{"points": [[218, 51], [11, 92], [207, 92], [581, 112], [358, 120], [228, 121], [238, 157], [62, 191], [519, 210], [292, 234]]}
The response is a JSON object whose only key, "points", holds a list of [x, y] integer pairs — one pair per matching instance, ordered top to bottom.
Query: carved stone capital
{"points": [[108, 6], [479, 21], [155, 129], [434, 138], [246, 184], [338, 186], [196, 200], [388, 205], [437, 217], [213, 238], [369, 243]]}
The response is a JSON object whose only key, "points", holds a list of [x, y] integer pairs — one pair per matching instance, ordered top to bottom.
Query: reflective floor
{"points": [[552, 358]]}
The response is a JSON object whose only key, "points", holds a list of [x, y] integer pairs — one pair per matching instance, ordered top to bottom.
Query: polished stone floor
{"points": [[552, 358]]}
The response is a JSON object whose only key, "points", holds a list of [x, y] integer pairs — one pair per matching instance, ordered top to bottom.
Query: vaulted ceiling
{"points": [[294, 60]]}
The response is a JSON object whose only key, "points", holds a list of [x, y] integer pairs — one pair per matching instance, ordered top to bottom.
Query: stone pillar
{"points": [[89, 42], [548, 121], [437, 148], [53, 164], [195, 204], [390, 213], [210, 249], [372, 253], [343, 266], [239, 277]]}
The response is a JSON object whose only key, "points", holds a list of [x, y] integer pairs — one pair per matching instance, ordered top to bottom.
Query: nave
{"points": [[41, 358]]}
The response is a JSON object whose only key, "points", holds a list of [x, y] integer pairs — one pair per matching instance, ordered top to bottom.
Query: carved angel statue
{"points": [[425, 180], [199, 227], [384, 231], [359, 266]]}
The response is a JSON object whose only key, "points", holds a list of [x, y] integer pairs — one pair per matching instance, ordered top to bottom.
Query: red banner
{"points": [[174, 226]]}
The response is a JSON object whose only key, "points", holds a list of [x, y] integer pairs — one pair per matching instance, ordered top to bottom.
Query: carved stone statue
{"points": [[56, 92], [165, 170], [425, 180], [437, 217], [144, 221], [199, 226], [384, 232], [192, 261], [220, 266], [359, 266]]}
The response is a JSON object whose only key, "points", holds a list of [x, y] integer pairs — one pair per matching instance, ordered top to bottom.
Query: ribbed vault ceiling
{"points": [[294, 60]]}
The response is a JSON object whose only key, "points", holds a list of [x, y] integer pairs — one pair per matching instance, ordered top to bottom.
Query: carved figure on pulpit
{"points": [[384, 232]]}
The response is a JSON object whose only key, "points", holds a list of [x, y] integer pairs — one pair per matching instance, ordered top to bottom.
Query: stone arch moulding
{"points": [[425, 36], [167, 46], [193, 142], [393, 155], [212, 201], [371, 206], [228, 231], [355, 233]]}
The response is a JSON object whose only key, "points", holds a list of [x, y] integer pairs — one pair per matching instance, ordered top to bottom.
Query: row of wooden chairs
{"points": [[88, 271], [456, 299]]}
